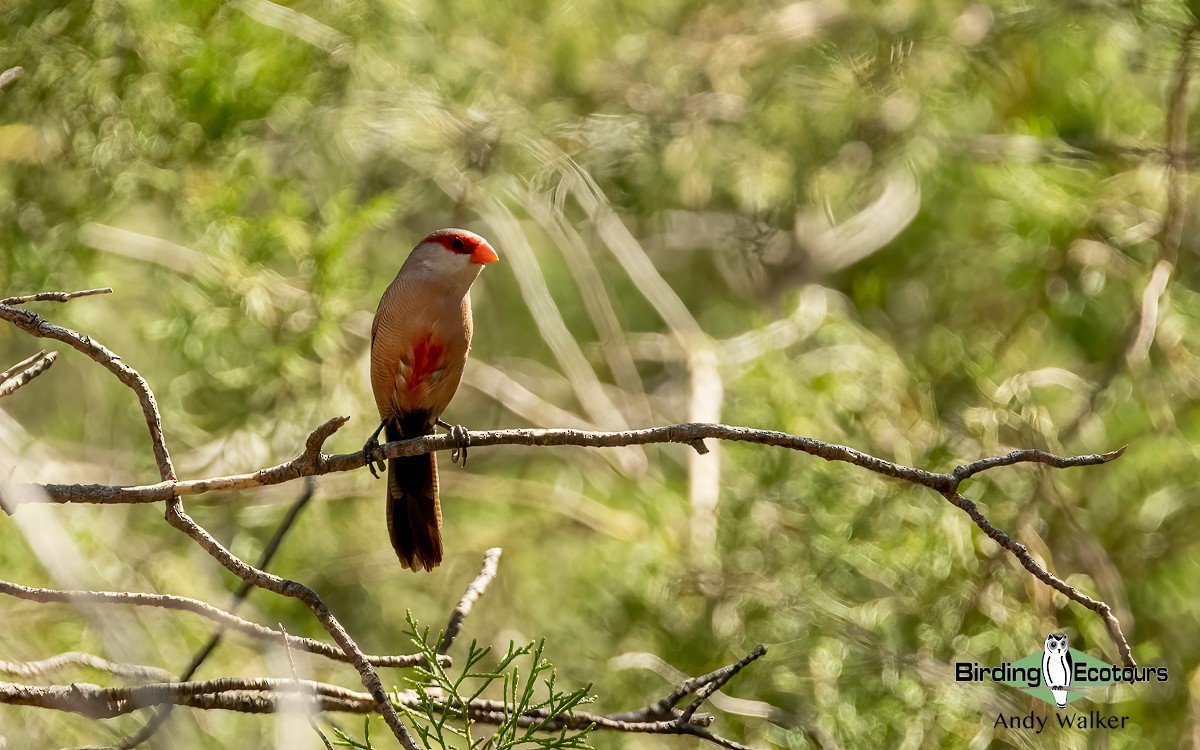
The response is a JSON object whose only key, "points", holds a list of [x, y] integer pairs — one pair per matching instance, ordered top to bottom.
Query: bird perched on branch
{"points": [[419, 344]]}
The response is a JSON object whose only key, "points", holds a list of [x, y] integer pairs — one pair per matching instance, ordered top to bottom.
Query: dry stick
{"points": [[54, 296], [35, 325], [22, 365], [9, 383], [312, 462], [310, 487], [178, 517], [1033, 566], [476, 589], [195, 606], [67, 659], [705, 685], [262, 695], [97, 702], [726, 703], [657, 718], [156, 722]]}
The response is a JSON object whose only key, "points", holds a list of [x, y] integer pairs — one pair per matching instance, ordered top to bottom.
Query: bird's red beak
{"points": [[484, 254]]}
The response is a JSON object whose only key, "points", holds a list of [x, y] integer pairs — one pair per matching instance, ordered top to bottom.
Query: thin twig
{"points": [[54, 296], [35, 325], [18, 367], [8, 384], [1035, 456], [178, 517], [1039, 571], [476, 589], [243, 591], [195, 606], [68, 659], [716, 680], [707, 684], [265, 695], [727, 703], [155, 722], [312, 722]]}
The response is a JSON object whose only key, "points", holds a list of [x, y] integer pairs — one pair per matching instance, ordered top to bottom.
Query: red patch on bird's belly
{"points": [[427, 358]]}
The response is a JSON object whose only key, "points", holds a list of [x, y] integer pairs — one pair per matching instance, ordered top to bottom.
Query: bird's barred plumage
{"points": [[419, 344]]}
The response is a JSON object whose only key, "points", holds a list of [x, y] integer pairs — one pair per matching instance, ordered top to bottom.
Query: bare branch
{"points": [[54, 296], [35, 325], [40, 363], [18, 367], [1036, 456], [314, 463], [177, 517], [1039, 571], [476, 589], [195, 606], [69, 659], [708, 684], [227, 693], [260, 695], [265, 695], [726, 703], [151, 727]]}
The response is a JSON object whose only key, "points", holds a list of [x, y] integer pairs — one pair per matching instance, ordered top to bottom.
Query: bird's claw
{"points": [[461, 439], [371, 449]]}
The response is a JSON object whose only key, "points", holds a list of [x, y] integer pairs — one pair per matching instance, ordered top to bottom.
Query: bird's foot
{"points": [[461, 439], [375, 462]]}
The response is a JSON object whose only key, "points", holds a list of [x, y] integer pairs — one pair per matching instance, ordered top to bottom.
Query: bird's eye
{"points": [[458, 244]]}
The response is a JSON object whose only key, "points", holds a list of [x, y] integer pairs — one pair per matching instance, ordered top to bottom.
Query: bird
{"points": [[419, 343], [1057, 667]]}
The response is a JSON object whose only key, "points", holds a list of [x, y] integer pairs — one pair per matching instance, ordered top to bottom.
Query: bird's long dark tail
{"points": [[414, 512]]}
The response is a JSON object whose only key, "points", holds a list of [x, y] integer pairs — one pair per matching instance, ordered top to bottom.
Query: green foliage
{"points": [[249, 193], [442, 719]]}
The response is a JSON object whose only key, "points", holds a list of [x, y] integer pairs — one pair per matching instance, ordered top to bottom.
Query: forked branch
{"points": [[260, 695]]}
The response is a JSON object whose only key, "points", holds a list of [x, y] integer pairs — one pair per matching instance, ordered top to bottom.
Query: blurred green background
{"points": [[919, 229]]}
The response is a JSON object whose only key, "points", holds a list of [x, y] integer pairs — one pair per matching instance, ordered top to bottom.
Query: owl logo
{"points": [[1057, 667]]}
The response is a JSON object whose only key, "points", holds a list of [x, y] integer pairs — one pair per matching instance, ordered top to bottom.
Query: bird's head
{"points": [[453, 253]]}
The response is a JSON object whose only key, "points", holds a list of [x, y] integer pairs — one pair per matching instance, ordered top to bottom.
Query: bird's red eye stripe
{"points": [[455, 243]]}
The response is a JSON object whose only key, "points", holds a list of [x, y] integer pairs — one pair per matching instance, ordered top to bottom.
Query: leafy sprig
{"points": [[531, 710]]}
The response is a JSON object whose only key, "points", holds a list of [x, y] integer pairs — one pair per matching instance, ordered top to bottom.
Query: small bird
{"points": [[419, 344]]}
